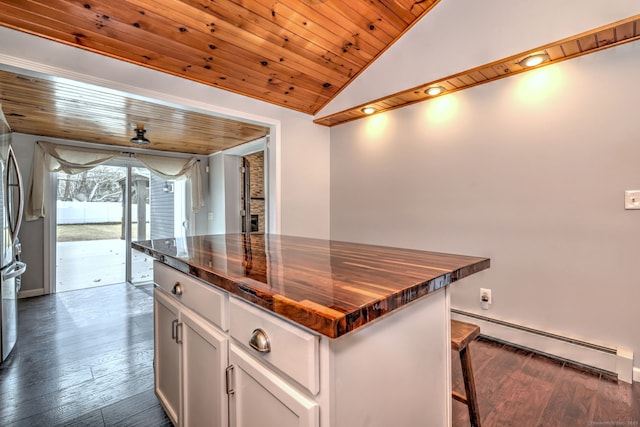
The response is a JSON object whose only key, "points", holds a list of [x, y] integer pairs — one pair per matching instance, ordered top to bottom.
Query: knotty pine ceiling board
{"points": [[614, 34], [294, 53], [66, 109]]}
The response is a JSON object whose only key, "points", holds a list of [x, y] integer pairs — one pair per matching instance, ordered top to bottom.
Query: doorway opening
{"points": [[252, 193], [100, 211]]}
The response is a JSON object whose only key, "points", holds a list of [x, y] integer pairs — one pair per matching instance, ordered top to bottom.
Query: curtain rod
{"points": [[96, 146], [132, 154]]}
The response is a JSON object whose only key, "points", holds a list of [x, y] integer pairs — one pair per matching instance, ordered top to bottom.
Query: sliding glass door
{"points": [[99, 213]]}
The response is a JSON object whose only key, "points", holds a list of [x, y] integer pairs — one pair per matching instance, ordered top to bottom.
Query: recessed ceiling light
{"points": [[533, 60], [434, 90], [368, 110]]}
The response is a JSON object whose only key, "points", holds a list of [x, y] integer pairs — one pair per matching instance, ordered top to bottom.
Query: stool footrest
{"points": [[460, 398]]}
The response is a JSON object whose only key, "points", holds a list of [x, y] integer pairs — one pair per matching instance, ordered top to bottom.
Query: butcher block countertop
{"points": [[331, 287]]}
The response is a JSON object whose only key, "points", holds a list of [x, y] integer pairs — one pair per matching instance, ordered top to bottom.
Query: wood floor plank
{"points": [[82, 355], [503, 380], [523, 389], [543, 392], [573, 398], [64, 404], [615, 404], [134, 407], [154, 416], [92, 419]]}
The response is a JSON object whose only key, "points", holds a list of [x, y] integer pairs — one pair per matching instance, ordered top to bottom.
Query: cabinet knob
{"points": [[177, 289], [260, 341]]}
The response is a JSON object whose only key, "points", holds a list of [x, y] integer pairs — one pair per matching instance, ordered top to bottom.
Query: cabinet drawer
{"points": [[205, 300], [292, 350]]}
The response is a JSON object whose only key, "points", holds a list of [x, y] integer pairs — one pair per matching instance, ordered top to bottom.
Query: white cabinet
{"points": [[291, 349], [167, 354], [190, 360], [204, 360], [221, 361], [274, 370], [260, 398]]}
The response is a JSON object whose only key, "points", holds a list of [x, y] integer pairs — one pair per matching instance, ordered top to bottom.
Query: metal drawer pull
{"points": [[177, 289], [174, 329], [179, 333], [260, 341], [229, 380]]}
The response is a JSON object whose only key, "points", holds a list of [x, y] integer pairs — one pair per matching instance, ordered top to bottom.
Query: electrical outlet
{"points": [[632, 199], [485, 295]]}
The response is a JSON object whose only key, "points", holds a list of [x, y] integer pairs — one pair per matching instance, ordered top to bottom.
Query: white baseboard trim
{"points": [[31, 293], [617, 362], [636, 374]]}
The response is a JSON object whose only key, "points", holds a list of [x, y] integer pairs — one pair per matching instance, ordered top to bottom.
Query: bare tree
{"points": [[100, 184]]}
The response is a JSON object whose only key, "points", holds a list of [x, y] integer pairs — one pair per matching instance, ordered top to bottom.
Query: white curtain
{"points": [[48, 157], [56, 158], [175, 168]]}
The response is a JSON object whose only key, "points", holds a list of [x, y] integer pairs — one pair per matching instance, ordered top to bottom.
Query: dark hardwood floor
{"points": [[83, 358], [520, 388]]}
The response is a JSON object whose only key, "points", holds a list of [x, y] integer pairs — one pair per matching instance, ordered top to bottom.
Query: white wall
{"points": [[529, 171], [225, 191], [217, 207], [31, 233]]}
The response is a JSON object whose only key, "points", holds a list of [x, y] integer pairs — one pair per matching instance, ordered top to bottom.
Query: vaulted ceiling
{"points": [[295, 53], [298, 54]]}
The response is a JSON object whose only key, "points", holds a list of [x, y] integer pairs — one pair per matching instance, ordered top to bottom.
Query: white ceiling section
{"points": [[461, 34]]}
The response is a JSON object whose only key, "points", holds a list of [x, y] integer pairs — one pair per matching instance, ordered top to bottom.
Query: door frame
{"points": [[233, 202]]}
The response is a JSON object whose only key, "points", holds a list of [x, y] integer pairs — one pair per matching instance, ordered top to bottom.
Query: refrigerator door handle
{"points": [[16, 227], [18, 268]]}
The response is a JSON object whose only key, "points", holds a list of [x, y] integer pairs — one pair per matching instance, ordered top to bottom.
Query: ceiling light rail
{"points": [[614, 34]]}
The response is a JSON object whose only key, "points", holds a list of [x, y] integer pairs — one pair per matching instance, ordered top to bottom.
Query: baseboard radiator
{"points": [[612, 362]]}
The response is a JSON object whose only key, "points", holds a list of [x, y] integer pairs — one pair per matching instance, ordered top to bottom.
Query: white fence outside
{"points": [[93, 212]]}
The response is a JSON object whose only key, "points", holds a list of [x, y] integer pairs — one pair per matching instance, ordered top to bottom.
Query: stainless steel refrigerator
{"points": [[11, 267]]}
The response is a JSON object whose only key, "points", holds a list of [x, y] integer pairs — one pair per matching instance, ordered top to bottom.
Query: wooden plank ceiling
{"points": [[294, 53], [60, 108]]}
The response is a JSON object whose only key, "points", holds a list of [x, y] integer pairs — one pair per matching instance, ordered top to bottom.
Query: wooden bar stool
{"points": [[462, 334]]}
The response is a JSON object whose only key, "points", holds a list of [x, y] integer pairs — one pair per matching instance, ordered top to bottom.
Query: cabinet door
{"points": [[166, 354], [204, 360], [263, 399]]}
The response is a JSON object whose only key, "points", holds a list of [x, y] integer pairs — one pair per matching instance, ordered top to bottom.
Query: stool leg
{"points": [[470, 387]]}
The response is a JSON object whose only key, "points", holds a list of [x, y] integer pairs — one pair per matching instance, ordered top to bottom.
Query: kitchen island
{"points": [[303, 332]]}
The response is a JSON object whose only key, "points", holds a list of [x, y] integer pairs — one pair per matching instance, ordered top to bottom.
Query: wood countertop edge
{"points": [[315, 317]]}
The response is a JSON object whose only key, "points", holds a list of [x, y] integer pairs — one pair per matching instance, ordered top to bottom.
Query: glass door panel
{"points": [[162, 216], [90, 233], [141, 265]]}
